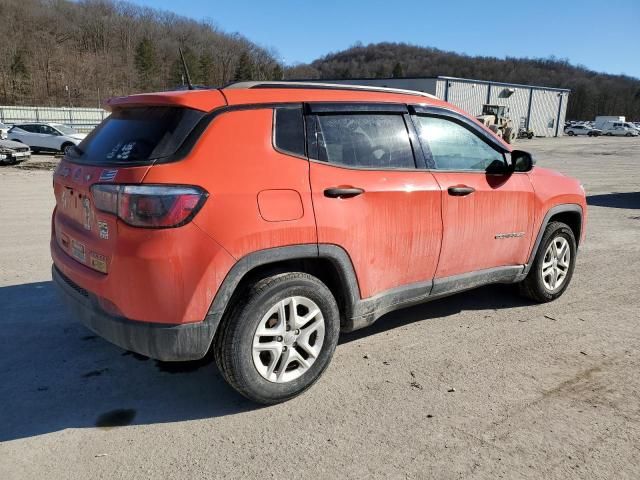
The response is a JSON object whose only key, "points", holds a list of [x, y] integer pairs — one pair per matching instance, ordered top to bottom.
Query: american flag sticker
{"points": [[108, 175]]}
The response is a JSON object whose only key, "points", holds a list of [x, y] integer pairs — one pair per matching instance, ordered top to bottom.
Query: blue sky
{"points": [[603, 35]]}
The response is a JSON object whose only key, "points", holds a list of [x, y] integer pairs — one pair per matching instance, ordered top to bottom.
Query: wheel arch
{"points": [[568, 213], [329, 263]]}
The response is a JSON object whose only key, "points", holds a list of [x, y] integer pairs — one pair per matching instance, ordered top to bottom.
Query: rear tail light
{"points": [[150, 206]]}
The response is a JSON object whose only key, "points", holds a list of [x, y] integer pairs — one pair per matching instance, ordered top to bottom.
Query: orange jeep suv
{"points": [[260, 220]]}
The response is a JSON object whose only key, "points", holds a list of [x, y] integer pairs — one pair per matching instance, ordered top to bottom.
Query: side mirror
{"points": [[522, 161], [497, 167]]}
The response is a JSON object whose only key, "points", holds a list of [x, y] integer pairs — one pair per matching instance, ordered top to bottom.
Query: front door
{"points": [[369, 197], [487, 217]]}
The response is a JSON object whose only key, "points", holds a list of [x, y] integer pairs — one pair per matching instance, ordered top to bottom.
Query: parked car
{"points": [[620, 129], [4, 130], [582, 130], [46, 136], [13, 152], [261, 220]]}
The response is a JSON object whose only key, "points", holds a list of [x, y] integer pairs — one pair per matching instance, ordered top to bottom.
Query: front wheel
{"points": [[570, 133], [65, 147], [553, 265], [279, 339]]}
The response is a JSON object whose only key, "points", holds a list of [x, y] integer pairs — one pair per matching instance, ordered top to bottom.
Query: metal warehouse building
{"points": [[541, 109]]}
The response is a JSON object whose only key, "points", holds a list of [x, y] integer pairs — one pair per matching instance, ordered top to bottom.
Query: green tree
{"points": [[146, 65], [207, 69], [244, 69], [381, 72], [398, 72], [277, 73]]}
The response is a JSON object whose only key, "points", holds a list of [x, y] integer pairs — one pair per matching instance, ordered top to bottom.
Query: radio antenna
{"points": [[186, 70]]}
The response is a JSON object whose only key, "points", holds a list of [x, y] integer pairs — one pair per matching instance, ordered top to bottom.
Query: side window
{"points": [[28, 128], [289, 130], [364, 140], [453, 147]]}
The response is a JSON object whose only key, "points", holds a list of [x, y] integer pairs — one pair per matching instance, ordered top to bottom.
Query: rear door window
{"points": [[137, 135], [379, 141]]}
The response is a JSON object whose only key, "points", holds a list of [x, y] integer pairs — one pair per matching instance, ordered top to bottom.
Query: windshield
{"points": [[65, 129], [138, 134]]}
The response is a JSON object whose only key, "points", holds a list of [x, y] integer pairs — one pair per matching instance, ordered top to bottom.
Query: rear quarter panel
{"points": [[235, 161]]}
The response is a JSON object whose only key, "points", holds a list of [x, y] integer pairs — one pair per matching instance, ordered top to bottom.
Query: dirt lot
{"points": [[549, 391]]}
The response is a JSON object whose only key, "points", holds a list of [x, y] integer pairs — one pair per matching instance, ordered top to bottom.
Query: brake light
{"points": [[150, 206]]}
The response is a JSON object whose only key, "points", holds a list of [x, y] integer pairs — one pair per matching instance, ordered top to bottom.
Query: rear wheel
{"points": [[570, 133], [553, 265], [279, 339]]}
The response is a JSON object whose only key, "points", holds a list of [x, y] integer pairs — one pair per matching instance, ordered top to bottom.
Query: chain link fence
{"points": [[82, 119]]}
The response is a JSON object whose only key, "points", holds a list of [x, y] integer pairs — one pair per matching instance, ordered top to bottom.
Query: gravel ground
{"points": [[478, 385]]}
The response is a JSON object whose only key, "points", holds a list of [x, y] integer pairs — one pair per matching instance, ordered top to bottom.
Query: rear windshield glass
{"points": [[137, 134]]}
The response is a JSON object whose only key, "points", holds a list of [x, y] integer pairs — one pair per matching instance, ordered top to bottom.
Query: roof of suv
{"points": [[274, 92], [252, 93]]}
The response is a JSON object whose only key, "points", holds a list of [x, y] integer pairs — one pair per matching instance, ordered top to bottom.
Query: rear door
{"points": [[370, 198], [487, 216]]}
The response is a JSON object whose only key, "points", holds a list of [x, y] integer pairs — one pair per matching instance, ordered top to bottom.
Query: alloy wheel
{"points": [[556, 263], [288, 339]]}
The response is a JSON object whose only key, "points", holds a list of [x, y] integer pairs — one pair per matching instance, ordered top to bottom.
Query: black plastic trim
{"points": [[355, 107], [564, 207], [466, 281], [357, 312], [188, 341]]}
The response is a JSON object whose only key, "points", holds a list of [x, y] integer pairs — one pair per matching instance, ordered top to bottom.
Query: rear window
{"points": [[289, 130], [137, 135]]}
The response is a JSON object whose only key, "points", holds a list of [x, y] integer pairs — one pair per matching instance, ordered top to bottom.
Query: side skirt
{"points": [[369, 310]]}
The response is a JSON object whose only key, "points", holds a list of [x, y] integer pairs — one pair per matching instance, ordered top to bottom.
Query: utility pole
{"points": [[66, 87]]}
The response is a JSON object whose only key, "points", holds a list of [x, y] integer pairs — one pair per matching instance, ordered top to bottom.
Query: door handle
{"points": [[460, 191], [343, 192]]}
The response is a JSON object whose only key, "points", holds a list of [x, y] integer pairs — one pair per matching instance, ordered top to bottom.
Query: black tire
{"points": [[570, 133], [530, 136], [64, 146], [533, 286], [233, 348]]}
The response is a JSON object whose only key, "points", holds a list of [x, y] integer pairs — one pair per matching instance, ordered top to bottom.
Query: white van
{"points": [[602, 120], [620, 129]]}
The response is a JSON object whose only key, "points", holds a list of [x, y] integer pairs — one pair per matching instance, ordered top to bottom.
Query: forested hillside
{"points": [[57, 52], [592, 93]]}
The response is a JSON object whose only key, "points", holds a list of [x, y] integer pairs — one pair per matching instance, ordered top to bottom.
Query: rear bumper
{"points": [[166, 342]]}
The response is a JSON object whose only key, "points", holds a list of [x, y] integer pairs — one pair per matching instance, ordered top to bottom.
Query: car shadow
{"points": [[615, 200], [490, 297], [56, 374]]}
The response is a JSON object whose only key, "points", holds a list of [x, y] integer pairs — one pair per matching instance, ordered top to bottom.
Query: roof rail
{"points": [[324, 86]]}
